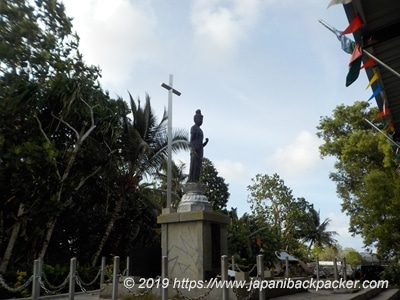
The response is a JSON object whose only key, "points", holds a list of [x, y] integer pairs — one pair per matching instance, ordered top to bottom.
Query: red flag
{"points": [[354, 25], [357, 53], [369, 63], [383, 113], [390, 126]]}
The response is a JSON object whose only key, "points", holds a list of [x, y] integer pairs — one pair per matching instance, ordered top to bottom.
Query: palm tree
{"points": [[142, 148], [179, 177], [314, 232]]}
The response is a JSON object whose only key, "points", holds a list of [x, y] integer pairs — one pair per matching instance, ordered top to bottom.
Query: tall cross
{"points": [[171, 90]]}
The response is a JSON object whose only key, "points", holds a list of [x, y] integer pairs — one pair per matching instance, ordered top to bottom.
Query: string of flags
{"points": [[356, 51], [355, 65]]}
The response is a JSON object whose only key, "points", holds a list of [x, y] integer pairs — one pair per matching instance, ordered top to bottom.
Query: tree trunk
{"points": [[117, 210], [50, 228], [11, 242]]}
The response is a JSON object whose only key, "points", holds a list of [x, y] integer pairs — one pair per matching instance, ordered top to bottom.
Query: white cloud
{"points": [[219, 29], [116, 36], [297, 158], [231, 171]]}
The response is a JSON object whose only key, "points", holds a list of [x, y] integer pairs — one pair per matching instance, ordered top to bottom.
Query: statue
{"points": [[196, 147]]}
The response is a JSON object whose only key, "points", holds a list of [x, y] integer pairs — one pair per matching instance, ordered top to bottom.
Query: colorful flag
{"points": [[334, 2], [354, 25], [346, 43], [357, 53], [369, 63], [354, 65], [373, 78], [376, 92], [384, 112], [390, 126]]}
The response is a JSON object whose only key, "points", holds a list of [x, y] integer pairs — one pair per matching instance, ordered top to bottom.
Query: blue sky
{"points": [[263, 72]]}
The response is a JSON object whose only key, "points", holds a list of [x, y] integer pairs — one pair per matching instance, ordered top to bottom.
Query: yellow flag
{"points": [[373, 79]]}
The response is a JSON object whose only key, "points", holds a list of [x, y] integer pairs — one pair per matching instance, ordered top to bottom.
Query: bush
{"points": [[392, 274]]}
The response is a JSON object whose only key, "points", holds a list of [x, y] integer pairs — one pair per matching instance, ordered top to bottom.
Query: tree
{"points": [[39, 55], [142, 150], [72, 160], [365, 173], [179, 178], [216, 188], [270, 200], [313, 231], [247, 239], [328, 253], [352, 256]]}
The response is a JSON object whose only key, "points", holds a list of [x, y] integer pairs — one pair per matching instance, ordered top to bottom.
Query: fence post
{"points": [[233, 263], [127, 266], [317, 268], [344, 269], [102, 270], [287, 270], [335, 270], [72, 272], [260, 273], [164, 274], [224, 277], [35, 282], [114, 295]]}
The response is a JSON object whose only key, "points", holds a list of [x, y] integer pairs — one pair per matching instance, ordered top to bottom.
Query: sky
{"points": [[263, 73]]}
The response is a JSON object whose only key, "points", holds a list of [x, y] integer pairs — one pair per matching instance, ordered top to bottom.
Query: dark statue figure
{"points": [[196, 147]]}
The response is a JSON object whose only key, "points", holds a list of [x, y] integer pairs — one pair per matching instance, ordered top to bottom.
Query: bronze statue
{"points": [[196, 147]]}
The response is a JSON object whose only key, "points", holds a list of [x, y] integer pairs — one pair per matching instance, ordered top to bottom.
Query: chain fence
{"points": [[75, 278], [46, 286]]}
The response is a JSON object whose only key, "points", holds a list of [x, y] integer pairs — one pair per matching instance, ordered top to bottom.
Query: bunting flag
{"points": [[334, 2], [354, 25], [346, 43], [369, 63], [355, 64], [373, 78], [376, 92], [383, 113], [389, 126]]}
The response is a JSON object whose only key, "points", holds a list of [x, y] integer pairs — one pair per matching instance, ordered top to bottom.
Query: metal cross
{"points": [[169, 161]]}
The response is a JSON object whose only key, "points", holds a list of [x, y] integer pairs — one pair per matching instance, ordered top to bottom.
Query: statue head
{"points": [[198, 118]]}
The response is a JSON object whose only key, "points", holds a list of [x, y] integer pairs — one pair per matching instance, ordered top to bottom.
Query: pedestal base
{"points": [[194, 198], [194, 242]]}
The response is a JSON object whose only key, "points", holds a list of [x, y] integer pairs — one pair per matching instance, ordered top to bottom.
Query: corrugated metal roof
{"points": [[380, 36], [281, 255]]}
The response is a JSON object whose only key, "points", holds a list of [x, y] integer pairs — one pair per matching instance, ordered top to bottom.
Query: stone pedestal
{"points": [[194, 198], [194, 242]]}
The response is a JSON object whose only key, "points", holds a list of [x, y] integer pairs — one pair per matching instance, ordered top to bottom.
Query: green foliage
{"points": [[72, 159], [365, 174], [216, 188], [290, 219], [312, 231], [246, 240], [327, 253], [352, 257], [392, 274], [22, 277]]}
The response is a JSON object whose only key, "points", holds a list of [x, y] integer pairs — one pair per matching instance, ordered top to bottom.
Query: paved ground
{"points": [[310, 295]]}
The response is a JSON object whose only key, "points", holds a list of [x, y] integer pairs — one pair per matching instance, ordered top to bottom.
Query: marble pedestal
{"points": [[194, 242]]}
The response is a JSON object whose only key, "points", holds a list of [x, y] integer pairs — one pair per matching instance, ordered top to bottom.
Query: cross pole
{"points": [[171, 91]]}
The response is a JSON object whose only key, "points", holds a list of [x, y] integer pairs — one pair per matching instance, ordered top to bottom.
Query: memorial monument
{"points": [[194, 198], [194, 237]]}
